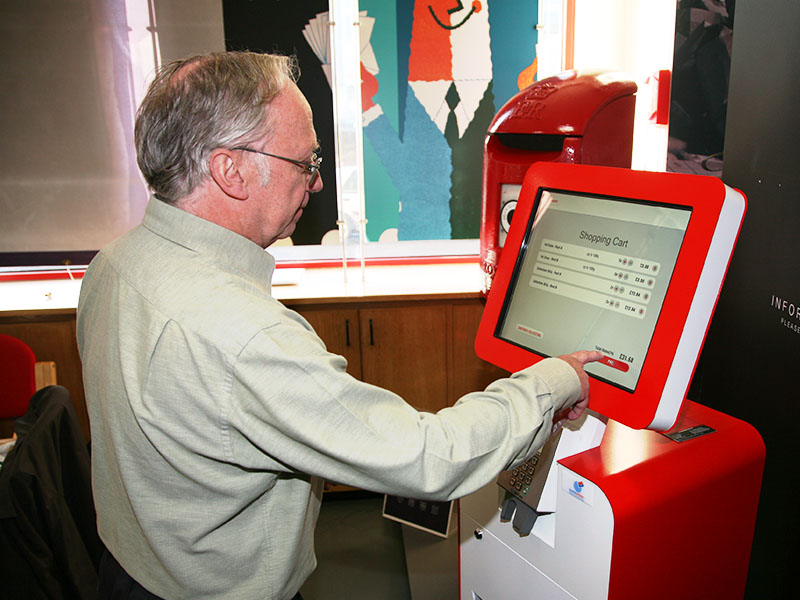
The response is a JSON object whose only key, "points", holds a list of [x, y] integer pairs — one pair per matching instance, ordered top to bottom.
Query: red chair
{"points": [[17, 377]]}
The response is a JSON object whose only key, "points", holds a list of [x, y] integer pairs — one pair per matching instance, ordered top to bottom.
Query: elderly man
{"points": [[215, 410]]}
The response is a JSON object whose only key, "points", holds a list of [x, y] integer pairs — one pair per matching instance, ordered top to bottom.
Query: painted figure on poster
{"points": [[428, 95]]}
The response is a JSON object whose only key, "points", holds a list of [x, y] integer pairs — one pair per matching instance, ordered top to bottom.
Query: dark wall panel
{"points": [[752, 354]]}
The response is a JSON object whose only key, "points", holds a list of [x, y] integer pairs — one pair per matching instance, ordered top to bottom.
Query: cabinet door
{"points": [[338, 328], [404, 349], [469, 373]]}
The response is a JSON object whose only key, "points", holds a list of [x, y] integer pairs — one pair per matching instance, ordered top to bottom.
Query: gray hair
{"points": [[195, 105]]}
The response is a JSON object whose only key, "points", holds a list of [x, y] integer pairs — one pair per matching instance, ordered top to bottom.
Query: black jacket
{"points": [[48, 532]]}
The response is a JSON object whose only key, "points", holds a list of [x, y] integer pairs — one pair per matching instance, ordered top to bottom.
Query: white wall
{"points": [[636, 37]]}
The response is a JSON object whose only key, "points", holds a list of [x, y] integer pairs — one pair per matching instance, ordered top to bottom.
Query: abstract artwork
{"points": [[439, 72], [434, 74]]}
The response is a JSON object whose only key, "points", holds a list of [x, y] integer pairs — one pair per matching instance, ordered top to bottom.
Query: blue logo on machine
{"points": [[576, 487], [577, 490]]}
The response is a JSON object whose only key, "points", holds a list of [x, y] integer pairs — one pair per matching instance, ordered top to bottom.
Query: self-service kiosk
{"points": [[572, 117], [648, 495]]}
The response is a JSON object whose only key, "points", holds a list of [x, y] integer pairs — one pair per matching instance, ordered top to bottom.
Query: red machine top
{"points": [[562, 104]]}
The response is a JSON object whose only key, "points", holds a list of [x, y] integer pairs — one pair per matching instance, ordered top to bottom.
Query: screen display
{"points": [[592, 274]]}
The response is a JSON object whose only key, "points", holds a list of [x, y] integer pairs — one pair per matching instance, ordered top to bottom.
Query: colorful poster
{"points": [[434, 74]]}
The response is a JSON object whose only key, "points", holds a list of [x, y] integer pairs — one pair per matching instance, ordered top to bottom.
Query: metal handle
{"points": [[347, 332], [371, 336]]}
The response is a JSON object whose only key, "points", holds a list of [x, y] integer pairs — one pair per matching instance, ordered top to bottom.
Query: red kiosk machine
{"points": [[649, 495]]}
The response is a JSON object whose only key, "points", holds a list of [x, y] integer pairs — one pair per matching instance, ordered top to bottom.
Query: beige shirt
{"points": [[214, 410]]}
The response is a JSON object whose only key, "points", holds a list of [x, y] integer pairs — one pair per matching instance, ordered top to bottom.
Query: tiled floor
{"points": [[360, 554]]}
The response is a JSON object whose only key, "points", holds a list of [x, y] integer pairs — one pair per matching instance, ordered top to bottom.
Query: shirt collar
{"points": [[235, 252]]}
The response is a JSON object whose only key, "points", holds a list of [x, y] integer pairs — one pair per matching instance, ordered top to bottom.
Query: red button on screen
{"points": [[614, 363]]}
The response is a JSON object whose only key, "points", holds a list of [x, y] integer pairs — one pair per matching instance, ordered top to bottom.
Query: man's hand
{"points": [[576, 360]]}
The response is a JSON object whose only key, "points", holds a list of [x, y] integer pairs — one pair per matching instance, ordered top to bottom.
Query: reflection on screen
{"points": [[592, 274]]}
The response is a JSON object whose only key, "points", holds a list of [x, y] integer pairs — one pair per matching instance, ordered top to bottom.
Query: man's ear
{"points": [[225, 173]]}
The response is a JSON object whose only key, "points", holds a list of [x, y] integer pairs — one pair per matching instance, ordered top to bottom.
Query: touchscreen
{"points": [[592, 274]]}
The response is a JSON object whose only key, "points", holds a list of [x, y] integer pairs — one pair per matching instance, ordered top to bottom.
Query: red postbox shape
{"points": [[572, 117]]}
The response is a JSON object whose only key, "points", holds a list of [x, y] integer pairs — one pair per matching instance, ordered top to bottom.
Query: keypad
{"points": [[522, 476]]}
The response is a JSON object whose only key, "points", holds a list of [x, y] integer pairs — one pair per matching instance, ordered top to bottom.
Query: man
{"points": [[216, 411]]}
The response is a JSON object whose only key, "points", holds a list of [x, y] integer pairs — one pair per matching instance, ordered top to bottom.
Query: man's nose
{"points": [[316, 185]]}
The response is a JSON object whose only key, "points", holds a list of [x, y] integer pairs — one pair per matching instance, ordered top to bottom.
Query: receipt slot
{"points": [[573, 117]]}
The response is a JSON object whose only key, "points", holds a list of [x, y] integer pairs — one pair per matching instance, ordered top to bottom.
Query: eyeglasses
{"points": [[312, 168]]}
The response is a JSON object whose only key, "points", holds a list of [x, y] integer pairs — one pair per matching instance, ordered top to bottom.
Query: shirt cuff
{"points": [[560, 378]]}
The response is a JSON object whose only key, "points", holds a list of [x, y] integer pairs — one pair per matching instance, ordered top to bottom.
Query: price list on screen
{"points": [[616, 282]]}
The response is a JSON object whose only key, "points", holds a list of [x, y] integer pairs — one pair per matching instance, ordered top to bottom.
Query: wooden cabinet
{"points": [[339, 329], [404, 349], [423, 350], [469, 373]]}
